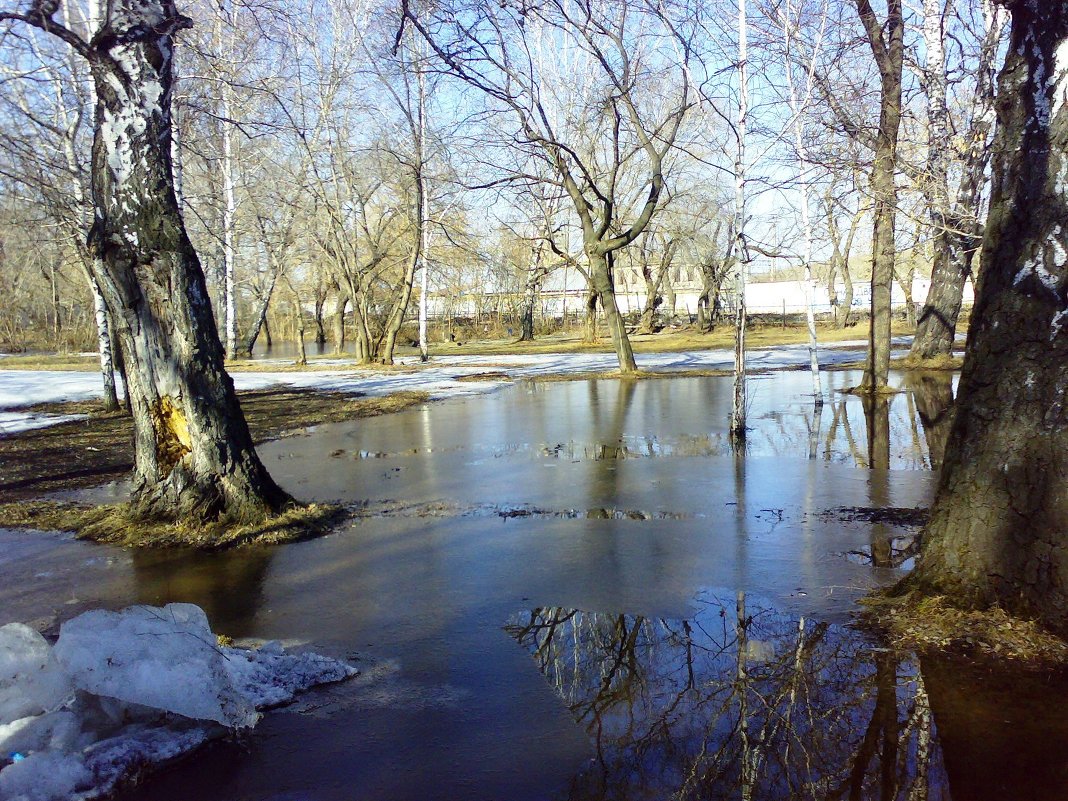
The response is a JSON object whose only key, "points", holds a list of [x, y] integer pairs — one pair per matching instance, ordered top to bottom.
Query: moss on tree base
{"points": [[120, 525], [931, 623]]}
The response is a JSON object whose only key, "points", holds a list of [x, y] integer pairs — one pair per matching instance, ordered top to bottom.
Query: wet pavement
{"points": [[488, 522]]}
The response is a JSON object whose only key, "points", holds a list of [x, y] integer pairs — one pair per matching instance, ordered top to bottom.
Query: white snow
{"points": [[440, 379], [23, 387], [17, 422], [123, 691]]}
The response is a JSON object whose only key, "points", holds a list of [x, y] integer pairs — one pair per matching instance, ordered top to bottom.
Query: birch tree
{"points": [[955, 215], [193, 455]]}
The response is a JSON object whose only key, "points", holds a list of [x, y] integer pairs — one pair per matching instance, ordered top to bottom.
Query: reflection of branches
{"points": [[747, 704]]}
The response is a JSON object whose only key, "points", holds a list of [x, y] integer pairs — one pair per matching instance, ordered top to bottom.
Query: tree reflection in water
{"points": [[738, 702]]}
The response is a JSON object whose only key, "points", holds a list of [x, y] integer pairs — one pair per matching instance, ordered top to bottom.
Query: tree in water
{"points": [[887, 45], [194, 457], [997, 529]]}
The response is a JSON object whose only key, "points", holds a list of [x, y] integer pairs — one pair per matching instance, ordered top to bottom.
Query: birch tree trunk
{"points": [[797, 108], [958, 232], [229, 246], [103, 338], [738, 406], [193, 459], [997, 532]]}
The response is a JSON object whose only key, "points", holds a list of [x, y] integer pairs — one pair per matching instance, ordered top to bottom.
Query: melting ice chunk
{"points": [[165, 658], [123, 691]]}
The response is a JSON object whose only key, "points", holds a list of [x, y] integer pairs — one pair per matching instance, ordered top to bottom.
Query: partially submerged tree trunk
{"points": [[887, 45], [958, 232], [739, 404], [193, 458], [997, 529]]}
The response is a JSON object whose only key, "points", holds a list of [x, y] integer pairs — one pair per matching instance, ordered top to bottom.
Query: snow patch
{"points": [[1060, 77], [441, 380], [17, 422], [121, 692]]}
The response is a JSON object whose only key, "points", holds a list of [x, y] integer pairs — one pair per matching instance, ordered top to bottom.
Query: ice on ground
{"points": [[17, 422], [31, 680], [122, 692]]}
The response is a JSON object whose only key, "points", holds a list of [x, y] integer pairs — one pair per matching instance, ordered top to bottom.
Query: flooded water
{"points": [[488, 521]]}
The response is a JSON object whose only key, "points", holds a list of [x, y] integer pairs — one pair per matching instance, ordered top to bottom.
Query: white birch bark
{"points": [[798, 103], [226, 129], [424, 233], [738, 410]]}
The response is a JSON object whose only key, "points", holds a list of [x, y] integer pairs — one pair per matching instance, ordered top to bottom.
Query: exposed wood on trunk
{"points": [[194, 458]]}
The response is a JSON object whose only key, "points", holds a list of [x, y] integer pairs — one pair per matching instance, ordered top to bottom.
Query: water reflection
{"points": [[933, 394], [228, 585], [741, 702]]}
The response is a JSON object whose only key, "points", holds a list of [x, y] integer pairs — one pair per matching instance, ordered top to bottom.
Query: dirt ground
{"points": [[88, 452]]}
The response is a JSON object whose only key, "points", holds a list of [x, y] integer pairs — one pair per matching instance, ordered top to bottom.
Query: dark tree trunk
{"points": [[887, 44], [530, 293], [653, 299], [526, 319], [259, 321], [320, 326], [590, 331], [193, 457], [997, 529]]}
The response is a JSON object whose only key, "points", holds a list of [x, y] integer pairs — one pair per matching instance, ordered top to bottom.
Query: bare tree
{"points": [[887, 45], [589, 149], [194, 458]]}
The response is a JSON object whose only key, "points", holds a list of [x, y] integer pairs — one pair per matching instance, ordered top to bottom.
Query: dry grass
{"points": [[667, 341], [51, 361], [940, 363], [116, 525], [926, 623]]}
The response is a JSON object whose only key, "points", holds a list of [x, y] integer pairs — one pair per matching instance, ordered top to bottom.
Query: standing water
{"points": [[577, 590]]}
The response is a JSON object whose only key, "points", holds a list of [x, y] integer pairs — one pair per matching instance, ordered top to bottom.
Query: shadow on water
{"points": [[228, 585], [741, 702]]}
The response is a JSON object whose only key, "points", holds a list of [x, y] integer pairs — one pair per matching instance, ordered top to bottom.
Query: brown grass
{"points": [[686, 338], [941, 363], [115, 525], [934, 624]]}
